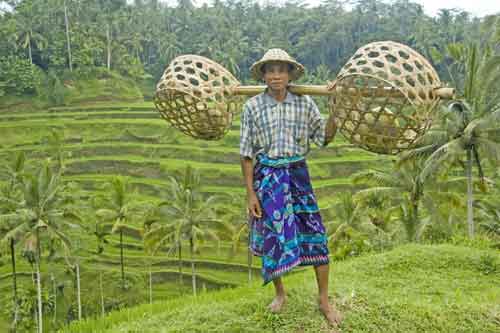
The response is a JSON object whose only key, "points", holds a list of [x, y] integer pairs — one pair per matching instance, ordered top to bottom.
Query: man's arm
{"points": [[246, 153], [253, 204]]}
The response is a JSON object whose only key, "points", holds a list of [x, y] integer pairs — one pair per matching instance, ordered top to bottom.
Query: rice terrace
{"points": [[144, 189]]}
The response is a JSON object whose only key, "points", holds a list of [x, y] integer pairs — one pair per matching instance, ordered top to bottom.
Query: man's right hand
{"points": [[253, 207]]}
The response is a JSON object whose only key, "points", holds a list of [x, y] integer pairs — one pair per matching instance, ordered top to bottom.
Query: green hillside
{"points": [[102, 140], [413, 288]]}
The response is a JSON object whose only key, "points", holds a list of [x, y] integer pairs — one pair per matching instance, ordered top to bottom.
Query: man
{"points": [[286, 227]]}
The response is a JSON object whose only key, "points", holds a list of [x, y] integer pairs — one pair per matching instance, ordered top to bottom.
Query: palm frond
{"points": [[489, 149], [417, 153], [444, 155], [375, 178], [362, 195], [106, 214], [17, 233], [60, 236]]}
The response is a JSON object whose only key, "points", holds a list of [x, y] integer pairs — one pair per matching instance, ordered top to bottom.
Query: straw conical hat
{"points": [[277, 55]]}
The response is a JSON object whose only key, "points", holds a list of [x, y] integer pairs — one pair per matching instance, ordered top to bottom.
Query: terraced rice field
{"points": [[131, 140], [101, 141]]}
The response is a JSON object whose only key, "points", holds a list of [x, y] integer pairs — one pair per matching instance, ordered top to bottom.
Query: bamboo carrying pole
{"points": [[318, 90]]}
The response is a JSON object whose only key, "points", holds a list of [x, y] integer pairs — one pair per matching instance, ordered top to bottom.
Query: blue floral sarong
{"points": [[291, 231]]}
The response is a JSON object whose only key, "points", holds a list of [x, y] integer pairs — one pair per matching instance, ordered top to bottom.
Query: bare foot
{"points": [[277, 304], [332, 315]]}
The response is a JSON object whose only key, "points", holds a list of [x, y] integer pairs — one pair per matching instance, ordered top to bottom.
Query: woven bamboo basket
{"points": [[392, 94], [194, 96]]}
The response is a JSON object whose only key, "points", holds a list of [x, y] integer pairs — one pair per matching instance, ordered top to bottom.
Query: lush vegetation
{"points": [[66, 51], [87, 156], [98, 211]]}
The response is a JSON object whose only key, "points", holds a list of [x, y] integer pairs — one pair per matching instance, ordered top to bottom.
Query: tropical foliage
{"points": [[84, 38]]}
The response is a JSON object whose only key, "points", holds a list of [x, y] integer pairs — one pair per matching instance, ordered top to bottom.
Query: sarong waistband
{"points": [[282, 162]]}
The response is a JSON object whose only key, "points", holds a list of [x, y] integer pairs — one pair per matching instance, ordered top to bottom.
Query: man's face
{"points": [[276, 75]]}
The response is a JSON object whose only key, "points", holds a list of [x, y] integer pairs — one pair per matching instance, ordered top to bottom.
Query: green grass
{"points": [[414, 288]]}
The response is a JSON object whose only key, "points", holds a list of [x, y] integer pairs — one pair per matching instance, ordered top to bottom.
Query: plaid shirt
{"points": [[280, 129]]}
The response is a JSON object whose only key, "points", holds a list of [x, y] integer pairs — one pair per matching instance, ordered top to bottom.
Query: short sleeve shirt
{"points": [[280, 129]]}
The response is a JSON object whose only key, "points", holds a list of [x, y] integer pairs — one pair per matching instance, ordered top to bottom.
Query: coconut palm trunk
{"points": [[68, 44], [108, 46], [29, 47], [415, 202], [470, 218], [412, 237], [121, 259], [180, 263], [193, 270], [14, 280], [38, 281], [54, 290], [78, 292], [102, 294], [39, 296]]}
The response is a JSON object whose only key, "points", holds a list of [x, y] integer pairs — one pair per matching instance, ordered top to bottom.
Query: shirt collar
{"points": [[268, 99]]}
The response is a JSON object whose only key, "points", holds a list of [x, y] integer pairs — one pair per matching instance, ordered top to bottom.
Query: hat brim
{"points": [[295, 73]]}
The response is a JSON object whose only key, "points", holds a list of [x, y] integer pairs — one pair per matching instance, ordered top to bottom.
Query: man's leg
{"points": [[280, 298], [331, 314]]}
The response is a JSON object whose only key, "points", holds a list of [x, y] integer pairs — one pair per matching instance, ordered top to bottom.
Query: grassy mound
{"points": [[100, 86], [414, 288]]}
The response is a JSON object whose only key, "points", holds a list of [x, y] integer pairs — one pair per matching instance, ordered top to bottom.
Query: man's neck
{"points": [[277, 95]]}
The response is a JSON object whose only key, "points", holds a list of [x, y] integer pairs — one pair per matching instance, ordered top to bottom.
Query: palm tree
{"points": [[26, 29], [467, 127], [462, 136], [400, 186], [404, 188], [9, 198], [42, 210], [120, 210], [347, 212], [190, 215], [353, 227], [99, 228], [159, 231]]}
